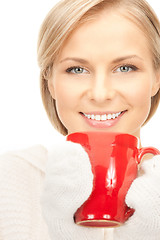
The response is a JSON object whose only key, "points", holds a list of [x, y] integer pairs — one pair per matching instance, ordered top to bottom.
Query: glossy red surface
{"points": [[114, 159]]}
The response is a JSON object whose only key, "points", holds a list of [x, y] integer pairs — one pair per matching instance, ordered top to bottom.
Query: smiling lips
{"points": [[103, 117], [102, 120]]}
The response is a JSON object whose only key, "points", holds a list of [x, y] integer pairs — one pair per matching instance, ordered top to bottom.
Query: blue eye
{"points": [[126, 68], [76, 70]]}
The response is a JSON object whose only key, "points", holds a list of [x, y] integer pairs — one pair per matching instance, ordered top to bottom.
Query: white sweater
{"points": [[21, 182]]}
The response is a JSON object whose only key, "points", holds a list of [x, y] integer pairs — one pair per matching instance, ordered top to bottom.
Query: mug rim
{"points": [[135, 139]]}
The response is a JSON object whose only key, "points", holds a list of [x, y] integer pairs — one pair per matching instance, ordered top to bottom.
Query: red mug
{"points": [[114, 161]]}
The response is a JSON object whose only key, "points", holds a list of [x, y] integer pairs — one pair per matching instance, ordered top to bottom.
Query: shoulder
{"points": [[32, 157]]}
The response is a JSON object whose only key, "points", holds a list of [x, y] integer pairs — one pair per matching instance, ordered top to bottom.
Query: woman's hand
{"points": [[67, 185], [144, 197]]}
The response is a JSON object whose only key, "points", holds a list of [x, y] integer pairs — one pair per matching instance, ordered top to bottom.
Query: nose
{"points": [[101, 89]]}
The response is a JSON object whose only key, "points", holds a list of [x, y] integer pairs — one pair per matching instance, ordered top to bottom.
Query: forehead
{"points": [[108, 31]]}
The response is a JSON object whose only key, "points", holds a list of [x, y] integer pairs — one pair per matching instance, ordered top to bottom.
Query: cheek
{"points": [[139, 90], [66, 97], [139, 97], [63, 105]]}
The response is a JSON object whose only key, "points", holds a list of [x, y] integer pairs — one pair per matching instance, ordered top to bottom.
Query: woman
{"points": [[100, 71]]}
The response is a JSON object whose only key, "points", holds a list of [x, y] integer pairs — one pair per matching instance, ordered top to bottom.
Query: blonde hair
{"points": [[65, 17]]}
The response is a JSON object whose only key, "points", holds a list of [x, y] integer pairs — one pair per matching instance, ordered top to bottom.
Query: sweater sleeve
{"points": [[21, 183]]}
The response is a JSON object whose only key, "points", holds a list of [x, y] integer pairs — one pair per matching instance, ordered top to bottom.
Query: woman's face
{"points": [[104, 78]]}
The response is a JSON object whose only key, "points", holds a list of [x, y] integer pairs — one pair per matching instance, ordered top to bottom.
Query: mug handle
{"points": [[143, 151]]}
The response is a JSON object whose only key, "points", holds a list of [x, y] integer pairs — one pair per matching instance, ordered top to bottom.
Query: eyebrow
{"points": [[75, 59], [120, 59]]}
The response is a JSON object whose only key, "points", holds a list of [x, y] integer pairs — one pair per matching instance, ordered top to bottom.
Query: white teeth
{"points": [[109, 116], [114, 116], [92, 117], [97, 117], [103, 117]]}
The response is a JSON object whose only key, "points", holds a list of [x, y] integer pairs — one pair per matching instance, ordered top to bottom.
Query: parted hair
{"points": [[65, 17]]}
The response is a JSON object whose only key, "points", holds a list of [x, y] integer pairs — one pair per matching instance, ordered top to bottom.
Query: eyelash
{"points": [[74, 67], [133, 67]]}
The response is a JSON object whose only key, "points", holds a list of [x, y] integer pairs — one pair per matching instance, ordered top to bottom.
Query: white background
{"points": [[23, 121]]}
